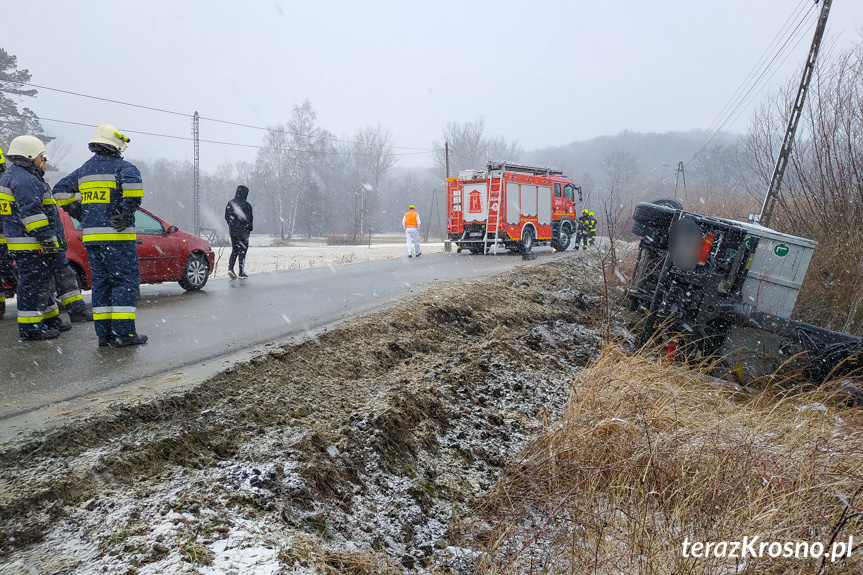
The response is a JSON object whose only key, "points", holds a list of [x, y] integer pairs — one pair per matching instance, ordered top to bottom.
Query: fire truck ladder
{"points": [[524, 169], [493, 202], [485, 247]]}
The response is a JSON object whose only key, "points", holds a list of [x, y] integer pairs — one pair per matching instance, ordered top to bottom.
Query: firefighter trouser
{"points": [[412, 235], [581, 237], [239, 247], [7, 276], [116, 277], [66, 284], [36, 308]]}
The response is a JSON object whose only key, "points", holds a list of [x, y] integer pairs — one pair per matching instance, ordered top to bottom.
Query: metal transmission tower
{"points": [[782, 161], [197, 174]]}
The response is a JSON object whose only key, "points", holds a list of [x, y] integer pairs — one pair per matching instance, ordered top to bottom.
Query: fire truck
{"points": [[513, 206]]}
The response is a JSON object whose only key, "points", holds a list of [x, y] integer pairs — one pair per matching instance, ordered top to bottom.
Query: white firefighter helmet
{"points": [[110, 136], [29, 147]]}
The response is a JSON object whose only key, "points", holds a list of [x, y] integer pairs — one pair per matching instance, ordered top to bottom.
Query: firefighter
{"points": [[110, 191], [238, 214], [411, 224], [591, 228], [582, 229], [30, 238], [5, 260], [64, 281]]}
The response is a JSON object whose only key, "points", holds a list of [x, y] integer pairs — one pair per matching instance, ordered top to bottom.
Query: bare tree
{"points": [[470, 149], [373, 153], [822, 192]]}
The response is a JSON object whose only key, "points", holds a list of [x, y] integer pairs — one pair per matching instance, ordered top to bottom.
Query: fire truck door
{"points": [[528, 201], [475, 206], [513, 209], [543, 217]]}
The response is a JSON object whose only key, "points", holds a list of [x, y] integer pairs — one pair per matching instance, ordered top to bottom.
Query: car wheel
{"points": [[526, 243], [195, 273]]}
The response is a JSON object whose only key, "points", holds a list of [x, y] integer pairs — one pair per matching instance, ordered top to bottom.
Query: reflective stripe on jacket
{"points": [[108, 186], [22, 211]]}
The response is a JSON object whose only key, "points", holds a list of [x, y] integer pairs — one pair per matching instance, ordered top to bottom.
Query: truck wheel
{"points": [[653, 221], [563, 240], [526, 243]]}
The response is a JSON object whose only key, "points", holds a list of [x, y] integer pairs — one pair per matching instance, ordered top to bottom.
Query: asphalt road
{"points": [[201, 328]]}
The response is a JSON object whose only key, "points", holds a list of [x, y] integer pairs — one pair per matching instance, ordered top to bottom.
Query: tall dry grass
{"points": [[648, 454]]}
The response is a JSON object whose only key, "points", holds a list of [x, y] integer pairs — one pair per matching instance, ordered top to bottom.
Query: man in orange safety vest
{"points": [[411, 225]]}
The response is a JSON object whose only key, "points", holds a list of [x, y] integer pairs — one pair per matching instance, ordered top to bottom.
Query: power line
{"points": [[797, 33], [215, 120], [718, 121], [187, 138]]}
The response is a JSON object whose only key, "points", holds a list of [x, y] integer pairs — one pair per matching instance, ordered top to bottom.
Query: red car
{"points": [[165, 253]]}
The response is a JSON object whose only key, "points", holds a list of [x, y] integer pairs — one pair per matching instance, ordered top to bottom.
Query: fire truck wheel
{"points": [[563, 240], [526, 243]]}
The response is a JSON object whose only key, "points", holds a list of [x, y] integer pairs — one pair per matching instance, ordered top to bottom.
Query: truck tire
{"points": [[669, 203], [653, 221], [563, 240], [526, 243]]}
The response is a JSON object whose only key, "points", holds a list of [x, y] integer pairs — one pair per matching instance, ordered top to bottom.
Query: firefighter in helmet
{"points": [[110, 190], [591, 228], [582, 229], [30, 238], [6, 270], [64, 280]]}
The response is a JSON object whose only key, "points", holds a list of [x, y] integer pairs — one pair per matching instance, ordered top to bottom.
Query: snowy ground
{"points": [[263, 257], [363, 450]]}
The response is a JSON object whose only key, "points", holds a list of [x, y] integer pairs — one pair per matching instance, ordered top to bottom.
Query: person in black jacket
{"points": [[238, 214]]}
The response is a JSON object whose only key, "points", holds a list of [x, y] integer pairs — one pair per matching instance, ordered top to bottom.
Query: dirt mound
{"points": [[359, 451]]}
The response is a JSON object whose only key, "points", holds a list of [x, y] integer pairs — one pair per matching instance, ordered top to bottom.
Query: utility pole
{"points": [[446, 154], [782, 161], [680, 171], [197, 173]]}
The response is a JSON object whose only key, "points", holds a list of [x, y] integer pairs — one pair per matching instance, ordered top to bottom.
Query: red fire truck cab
{"points": [[513, 206]]}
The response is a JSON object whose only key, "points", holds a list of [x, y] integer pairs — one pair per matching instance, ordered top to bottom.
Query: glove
{"points": [[122, 221], [49, 246]]}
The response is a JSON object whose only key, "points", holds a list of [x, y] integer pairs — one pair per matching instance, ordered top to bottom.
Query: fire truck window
{"points": [[557, 190], [569, 194]]}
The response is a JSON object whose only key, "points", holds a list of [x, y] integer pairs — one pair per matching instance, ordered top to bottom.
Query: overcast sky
{"points": [[542, 73]]}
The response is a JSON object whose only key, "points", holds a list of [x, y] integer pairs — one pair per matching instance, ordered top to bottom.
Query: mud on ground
{"points": [[360, 451]]}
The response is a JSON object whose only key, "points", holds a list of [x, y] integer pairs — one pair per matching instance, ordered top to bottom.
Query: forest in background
{"points": [[307, 183]]}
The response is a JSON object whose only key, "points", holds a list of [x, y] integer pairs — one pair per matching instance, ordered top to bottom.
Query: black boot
{"points": [[81, 315], [58, 324], [37, 335], [127, 340]]}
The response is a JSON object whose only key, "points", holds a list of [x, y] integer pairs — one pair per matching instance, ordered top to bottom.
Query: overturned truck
{"points": [[708, 286]]}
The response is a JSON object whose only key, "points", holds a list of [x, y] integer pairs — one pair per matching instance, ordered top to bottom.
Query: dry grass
{"points": [[648, 454]]}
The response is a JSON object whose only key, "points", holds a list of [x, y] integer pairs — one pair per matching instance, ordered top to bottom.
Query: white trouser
{"points": [[413, 238]]}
